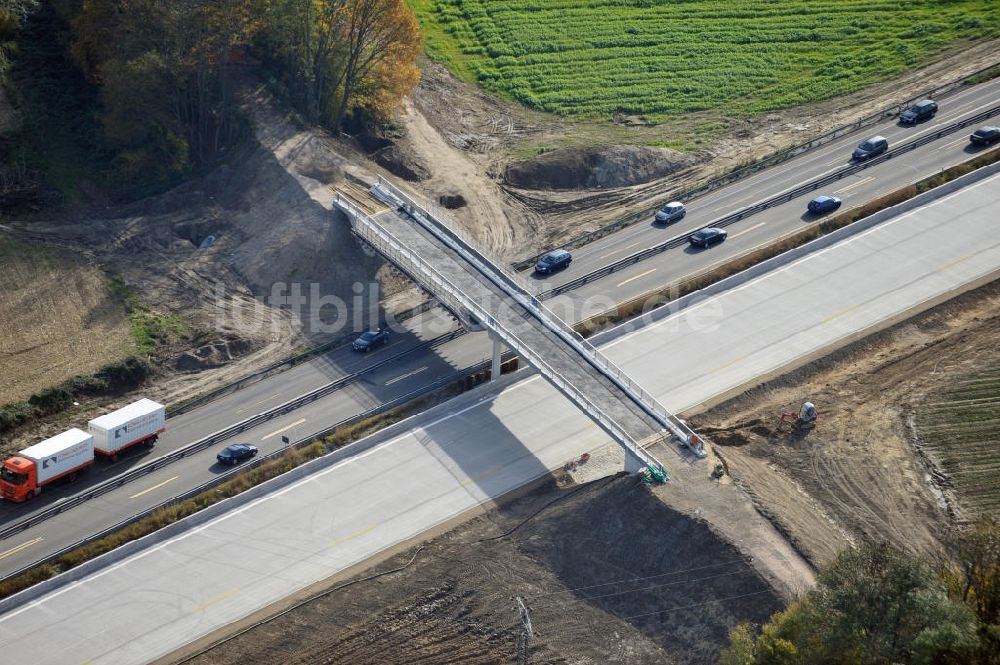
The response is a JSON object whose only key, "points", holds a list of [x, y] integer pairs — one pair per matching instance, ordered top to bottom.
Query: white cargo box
{"points": [[120, 429], [61, 454]]}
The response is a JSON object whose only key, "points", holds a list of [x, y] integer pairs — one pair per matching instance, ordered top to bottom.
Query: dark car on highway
{"points": [[922, 110], [985, 135], [876, 145], [822, 204], [672, 212], [707, 237], [555, 260], [371, 339], [236, 453]]}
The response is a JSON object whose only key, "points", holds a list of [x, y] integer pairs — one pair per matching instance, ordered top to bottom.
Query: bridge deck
{"points": [[573, 367]]}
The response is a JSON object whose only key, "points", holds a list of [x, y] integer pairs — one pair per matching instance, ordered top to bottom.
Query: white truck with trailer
{"points": [[139, 422], [23, 475]]}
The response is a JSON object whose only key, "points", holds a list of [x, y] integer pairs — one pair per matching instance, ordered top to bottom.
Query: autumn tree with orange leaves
{"points": [[338, 55]]}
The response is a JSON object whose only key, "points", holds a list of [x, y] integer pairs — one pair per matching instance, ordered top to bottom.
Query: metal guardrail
{"points": [[759, 165], [779, 199], [384, 242], [516, 290], [281, 365], [212, 439], [257, 461]]}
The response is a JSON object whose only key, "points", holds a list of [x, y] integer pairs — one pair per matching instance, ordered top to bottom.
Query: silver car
{"points": [[671, 212]]}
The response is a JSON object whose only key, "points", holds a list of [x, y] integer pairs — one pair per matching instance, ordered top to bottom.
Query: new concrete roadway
{"points": [[424, 367], [482, 446]]}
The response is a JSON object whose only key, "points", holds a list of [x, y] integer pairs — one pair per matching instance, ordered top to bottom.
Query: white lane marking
{"points": [[853, 185], [405, 376]]}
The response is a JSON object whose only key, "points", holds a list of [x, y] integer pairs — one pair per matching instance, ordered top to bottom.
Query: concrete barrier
{"points": [[791, 255], [484, 391]]}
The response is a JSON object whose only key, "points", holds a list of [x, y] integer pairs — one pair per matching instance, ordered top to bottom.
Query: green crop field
{"points": [[661, 58], [960, 428]]}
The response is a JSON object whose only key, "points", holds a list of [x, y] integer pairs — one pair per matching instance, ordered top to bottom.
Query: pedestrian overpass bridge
{"points": [[482, 294]]}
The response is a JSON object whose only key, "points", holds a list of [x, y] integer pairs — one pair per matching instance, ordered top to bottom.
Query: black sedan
{"points": [[985, 135], [822, 204], [707, 237], [370, 339], [236, 453]]}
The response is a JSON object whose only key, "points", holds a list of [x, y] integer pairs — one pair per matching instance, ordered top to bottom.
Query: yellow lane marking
{"points": [[856, 184], [755, 226], [620, 249], [954, 263], [632, 279], [841, 312], [728, 364], [405, 376], [249, 406], [286, 427], [479, 476], [157, 486], [356, 534], [22, 546], [228, 594], [87, 662]]}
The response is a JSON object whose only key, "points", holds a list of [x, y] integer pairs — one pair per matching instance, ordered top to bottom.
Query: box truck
{"points": [[139, 422], [23, 475]]}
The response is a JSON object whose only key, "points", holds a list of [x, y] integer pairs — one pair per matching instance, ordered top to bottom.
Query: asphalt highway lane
{"points": [[480, 445]]}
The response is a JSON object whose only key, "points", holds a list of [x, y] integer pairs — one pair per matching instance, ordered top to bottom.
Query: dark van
{"points": [[923, 110], [876, 145]]}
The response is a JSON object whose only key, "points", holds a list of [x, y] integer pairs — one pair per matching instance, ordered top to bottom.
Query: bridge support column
{"points": [[497, 352], [633, 464]]}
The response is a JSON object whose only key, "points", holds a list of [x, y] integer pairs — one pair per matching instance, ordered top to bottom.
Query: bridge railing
{"points": [[387, 244], [517, 289]]}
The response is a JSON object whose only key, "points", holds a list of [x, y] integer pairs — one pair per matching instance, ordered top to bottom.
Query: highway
{"points": [[674, 264], [424, 367], [480, 446]]}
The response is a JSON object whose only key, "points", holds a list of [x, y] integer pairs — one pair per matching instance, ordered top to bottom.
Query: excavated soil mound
{"points": [[594, 167], [604, 572]]}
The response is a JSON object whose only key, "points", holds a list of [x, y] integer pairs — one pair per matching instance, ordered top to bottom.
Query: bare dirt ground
{"points": [[475, 128], [58, 318], [864, 472], [607, 574]]}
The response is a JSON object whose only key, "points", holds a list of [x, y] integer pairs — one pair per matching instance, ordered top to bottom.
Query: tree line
{"points": [[158, 78], [876, 605]]}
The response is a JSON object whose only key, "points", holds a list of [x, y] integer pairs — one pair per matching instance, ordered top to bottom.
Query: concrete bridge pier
{"points": [[498, 349]]}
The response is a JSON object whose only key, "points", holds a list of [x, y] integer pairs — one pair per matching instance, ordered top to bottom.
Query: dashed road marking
{"points": [[848, 188], [755, 226], [954, 263], [632, 279], [841, 312], [728, 364], [405, 376], [283, 429], [154, 487], [356, 534], [22, 546], [228, 594]]}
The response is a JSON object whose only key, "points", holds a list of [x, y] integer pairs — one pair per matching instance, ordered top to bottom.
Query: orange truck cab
{"points": [[23, 475]]}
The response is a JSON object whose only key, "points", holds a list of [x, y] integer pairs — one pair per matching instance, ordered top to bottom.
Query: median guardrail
{"points": [[759, 165], [779, 199], [213, 439], [254, 463]]}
